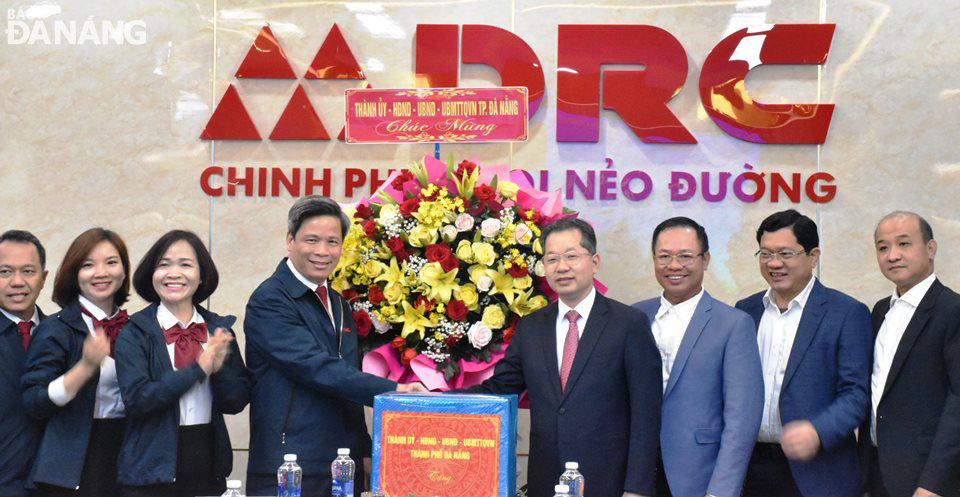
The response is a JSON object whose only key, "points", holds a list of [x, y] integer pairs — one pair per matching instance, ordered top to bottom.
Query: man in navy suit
{"points": [[22, 273], [814, 349], [302, 350], [592, 373], [712, 381], [911, 440]]}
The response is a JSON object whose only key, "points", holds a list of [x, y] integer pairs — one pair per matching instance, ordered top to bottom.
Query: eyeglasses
{"points": [[784, 255], [571, 258], [684, 258]]}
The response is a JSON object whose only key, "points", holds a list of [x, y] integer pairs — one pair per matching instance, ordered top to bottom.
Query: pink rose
{"points": [[464, 222], [490, 227], [479, 335]]}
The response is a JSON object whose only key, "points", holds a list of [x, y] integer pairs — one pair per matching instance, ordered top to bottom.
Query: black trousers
{"points": [[195, 472], [768, 474], [99, 475]]}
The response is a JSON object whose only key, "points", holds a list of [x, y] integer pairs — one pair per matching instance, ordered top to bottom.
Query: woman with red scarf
{"points": [[180, 371], [70, 378]]}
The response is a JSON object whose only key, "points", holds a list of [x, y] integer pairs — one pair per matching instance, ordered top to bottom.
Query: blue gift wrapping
{"points": [[504, 407]]}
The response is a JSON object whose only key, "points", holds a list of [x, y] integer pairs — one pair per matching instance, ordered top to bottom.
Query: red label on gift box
{"points": [[449, 115], [448, 454]]}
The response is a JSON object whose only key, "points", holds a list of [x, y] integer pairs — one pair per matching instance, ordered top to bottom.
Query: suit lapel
{"points": [[701, 315], [809, 323], [914, 328], [591, 334], [549, 343]]}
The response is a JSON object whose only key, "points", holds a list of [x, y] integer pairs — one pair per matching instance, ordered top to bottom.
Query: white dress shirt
{"points": [[313, 287], [583, 309], [35, 319], [669, 326], [775, 337], [888, 339], [108, 403], [196, 403]]}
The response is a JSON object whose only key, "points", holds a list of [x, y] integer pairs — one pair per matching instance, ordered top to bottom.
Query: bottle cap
{"points": [[343, 452], [289, 458], [572, 465], [233, 484], [561, 489]]}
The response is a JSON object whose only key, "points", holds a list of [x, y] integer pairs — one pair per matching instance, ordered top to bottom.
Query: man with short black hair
{"points": [[22, 274], [301, 346], [814, 349], [591, 371], [712, 382], [911, 440]]}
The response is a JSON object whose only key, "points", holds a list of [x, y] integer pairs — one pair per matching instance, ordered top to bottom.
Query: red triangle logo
{"points": [[265, 59], [334, 60], [230, 120], [299, 120]]}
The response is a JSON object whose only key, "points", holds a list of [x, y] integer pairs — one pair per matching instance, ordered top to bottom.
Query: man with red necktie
{"points": [[22, 274], [302, 350], [592, 372]]}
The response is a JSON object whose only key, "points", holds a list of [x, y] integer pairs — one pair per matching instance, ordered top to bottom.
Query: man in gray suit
{"points": [[712, 380]]}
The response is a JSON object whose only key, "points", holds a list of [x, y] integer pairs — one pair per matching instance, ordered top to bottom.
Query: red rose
{"points": [[465, 168], [398, 182], [485, 193], [430, 198], [409, 206], [363, 212], [370, 229], [395, 244], [437, 252], [402, 255], [449, 263], [517, 271], [375, 294], [349, 295], [424, 304], [456, 310], [363, 322], [508, 335], [452, 340], [398, 343], [407, 356]]}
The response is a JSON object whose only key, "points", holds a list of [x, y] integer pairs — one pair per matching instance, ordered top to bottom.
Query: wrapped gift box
{"points": [[444, 445]]}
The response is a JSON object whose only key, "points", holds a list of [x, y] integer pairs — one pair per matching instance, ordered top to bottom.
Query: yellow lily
{"points": [[440, 284], [523, 304], [413, 321]]}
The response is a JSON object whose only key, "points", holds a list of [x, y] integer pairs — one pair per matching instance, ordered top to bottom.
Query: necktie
{"points": [[322, 293], [110, 326], [24, 328], [186, 342], [569, 348]]}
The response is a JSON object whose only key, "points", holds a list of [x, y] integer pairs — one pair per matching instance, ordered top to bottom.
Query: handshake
{"points": [[415, 387]]}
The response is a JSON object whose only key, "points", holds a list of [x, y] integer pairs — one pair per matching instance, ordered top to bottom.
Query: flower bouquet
{"points": [[439, 265]]}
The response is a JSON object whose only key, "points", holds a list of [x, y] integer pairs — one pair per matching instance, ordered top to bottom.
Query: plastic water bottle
{"points": [[342, 469], [289, 477], [573, 479], [233, 489], [561, 491]]}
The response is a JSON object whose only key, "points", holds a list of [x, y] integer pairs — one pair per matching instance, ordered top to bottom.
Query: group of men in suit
{"points": [[680, 395]]}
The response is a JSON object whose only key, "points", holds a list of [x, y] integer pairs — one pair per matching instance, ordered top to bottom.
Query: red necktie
{"points": [[322, 293], [110, 326], [24, 328], [186, 342], [569, 348]]}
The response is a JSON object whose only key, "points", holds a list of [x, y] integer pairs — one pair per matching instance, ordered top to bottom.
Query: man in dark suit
{"points": [[22, 273], [301, 346], [814, 350], [592, 373], [713, 385], [911, 440]]}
